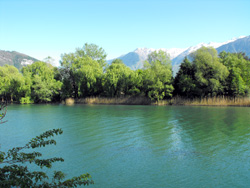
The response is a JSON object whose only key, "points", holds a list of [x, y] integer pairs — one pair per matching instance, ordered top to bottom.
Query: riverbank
{"points": [[115, 101], [212, 101], [215, 101]]}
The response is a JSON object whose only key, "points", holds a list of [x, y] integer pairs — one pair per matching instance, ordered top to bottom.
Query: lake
{"points": [[140, 146]]}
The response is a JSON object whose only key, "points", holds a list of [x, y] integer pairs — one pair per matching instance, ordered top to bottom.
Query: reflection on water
{"points": [[141, 146]]}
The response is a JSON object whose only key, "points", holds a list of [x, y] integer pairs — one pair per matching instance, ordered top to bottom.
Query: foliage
{"points": [[94, 52], [160, 56], [81, 71], [84, 73], [87, 73], [210, 74], [157, 76], [204, 76], [116, 80], [238, 81], [11, 82], [185, 82], [44, 86], [26, 100], [3, 110]]}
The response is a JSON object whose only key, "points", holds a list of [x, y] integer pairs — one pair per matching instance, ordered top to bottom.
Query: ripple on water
{"points": [[142, 146]]}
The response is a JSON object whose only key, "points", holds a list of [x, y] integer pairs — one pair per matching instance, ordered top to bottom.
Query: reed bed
{"points": [[120, 100], [212, 101]]}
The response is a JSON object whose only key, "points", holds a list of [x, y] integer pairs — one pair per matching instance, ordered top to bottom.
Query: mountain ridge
{"points": [[15, 58], [136, 58]]}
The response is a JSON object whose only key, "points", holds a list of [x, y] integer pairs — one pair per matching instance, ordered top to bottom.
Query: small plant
{"points": [[14, 171]]}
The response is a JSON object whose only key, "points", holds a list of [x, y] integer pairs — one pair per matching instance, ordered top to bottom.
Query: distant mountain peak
{"points": [[173, 52], [136, 58], [16, 59]]}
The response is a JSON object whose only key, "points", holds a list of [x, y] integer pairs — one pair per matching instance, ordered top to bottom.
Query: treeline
{"points": [[85, 73]]}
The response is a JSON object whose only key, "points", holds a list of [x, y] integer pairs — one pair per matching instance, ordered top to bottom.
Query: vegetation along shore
{"points": [[204, 78]]}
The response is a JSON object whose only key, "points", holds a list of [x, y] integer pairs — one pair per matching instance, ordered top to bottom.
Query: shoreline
{"points": [[176, 101], [219, 101]]}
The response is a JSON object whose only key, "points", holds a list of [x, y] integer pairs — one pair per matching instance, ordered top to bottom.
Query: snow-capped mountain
{"points": [[173, 52], [136, 58]]}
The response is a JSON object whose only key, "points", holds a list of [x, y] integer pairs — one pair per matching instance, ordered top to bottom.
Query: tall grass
{"points": [[120, 100], [212, 101]]}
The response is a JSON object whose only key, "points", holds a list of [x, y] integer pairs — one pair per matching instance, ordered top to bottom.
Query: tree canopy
{"points": [[84, 73], [157, 76], [204, 76], [43, 84]]}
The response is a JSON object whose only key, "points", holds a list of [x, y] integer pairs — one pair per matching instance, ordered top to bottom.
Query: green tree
{"points": [[93, 51], [160, 56], [49, 60], [87, 73], [210, 74], [157, 76], [117, 79], [73, 81], [238, 81], [11, 82], [185, 82], [135, 83], [44, 86], [69, 87]]}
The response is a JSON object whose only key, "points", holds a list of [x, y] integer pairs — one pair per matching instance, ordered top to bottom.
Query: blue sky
{"points": [[52, 27]]}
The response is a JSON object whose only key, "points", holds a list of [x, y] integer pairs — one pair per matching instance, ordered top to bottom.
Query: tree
{"points": [[93, 51], [160, 56], [49, 60], [70, 66], [87, 73], [210, 74], [157, 76], [117, 78], [238, 81], [11, 82], [184, 82], [44, 86], [69, 87], [16, 173]]}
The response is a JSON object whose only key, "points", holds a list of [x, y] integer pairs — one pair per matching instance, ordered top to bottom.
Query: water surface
{"points": [[141, 146]]}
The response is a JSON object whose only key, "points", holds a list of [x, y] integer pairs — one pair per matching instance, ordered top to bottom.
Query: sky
{"points": [[42, 28]]}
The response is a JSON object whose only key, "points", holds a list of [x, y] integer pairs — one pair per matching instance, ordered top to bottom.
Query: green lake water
{"points": [[140, 146]]}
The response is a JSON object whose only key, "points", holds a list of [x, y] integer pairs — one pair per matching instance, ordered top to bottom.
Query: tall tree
{"points": [[93, 51], [70, 63], [87, 73], [210, 74], [157, 76], [116, 79], [238, 81], [11, 82], [185, 82], [44, 86]]}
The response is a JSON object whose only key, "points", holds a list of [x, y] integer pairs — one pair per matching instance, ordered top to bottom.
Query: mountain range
{"points": [[15, 58], [136, 58]]}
